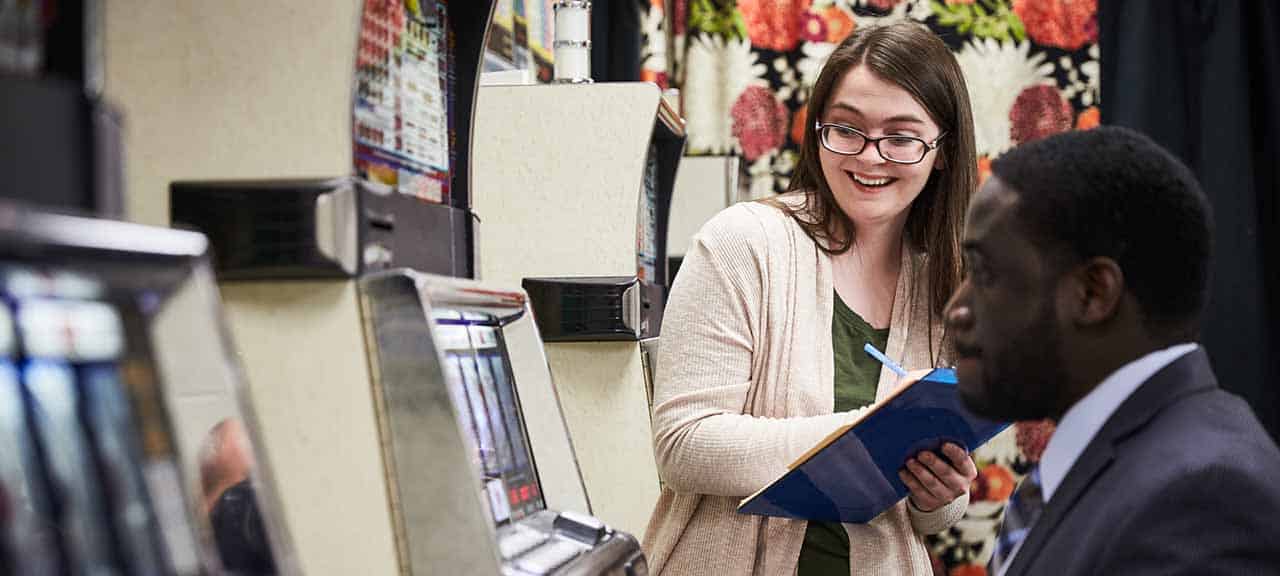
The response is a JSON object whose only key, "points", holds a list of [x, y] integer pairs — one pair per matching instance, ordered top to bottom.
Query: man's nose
{"points": [[958, 315]]}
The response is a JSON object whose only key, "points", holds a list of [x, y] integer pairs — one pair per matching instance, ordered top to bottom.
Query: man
{"points": [[1087, 263], [225, 458], [226, 464]]}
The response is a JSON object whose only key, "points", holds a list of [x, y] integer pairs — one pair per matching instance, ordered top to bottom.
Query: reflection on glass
{"points": [[23, 282], [482, 391], [457, 393], [109, 419], [502, 438], [218, 458], [226, 464], [88, 475], [73, 479], [523, 490], [72, 493], [26, 520]]}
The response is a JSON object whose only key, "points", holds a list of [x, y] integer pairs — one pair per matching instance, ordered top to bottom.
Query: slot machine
{"points": [[459, 365], [114, 380]]}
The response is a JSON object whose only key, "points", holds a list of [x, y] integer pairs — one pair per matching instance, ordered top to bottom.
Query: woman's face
{"points": [[868, 188]]}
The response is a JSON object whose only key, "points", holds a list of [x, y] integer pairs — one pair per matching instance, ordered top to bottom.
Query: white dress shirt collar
{"points": [[1085, 418]]}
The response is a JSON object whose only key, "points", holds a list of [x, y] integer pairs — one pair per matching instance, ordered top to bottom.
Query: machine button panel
{"points": [[580, 527], [519, 541], [545, 559]]}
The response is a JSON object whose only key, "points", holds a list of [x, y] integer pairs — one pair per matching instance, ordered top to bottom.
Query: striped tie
{"points": [[1024, 508]]}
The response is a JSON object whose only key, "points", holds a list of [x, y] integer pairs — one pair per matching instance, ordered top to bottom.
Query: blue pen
{"points": [[878, 355]]}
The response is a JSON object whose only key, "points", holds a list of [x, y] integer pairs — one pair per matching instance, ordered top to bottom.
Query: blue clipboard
{"points": [[852, 476]]}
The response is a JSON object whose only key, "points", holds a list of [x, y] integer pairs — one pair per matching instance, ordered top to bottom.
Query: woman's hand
{"points": [[933, 481]]}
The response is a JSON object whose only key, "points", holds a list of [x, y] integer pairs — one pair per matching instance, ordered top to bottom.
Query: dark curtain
{"points": [[615, 40], [1202, 77]]}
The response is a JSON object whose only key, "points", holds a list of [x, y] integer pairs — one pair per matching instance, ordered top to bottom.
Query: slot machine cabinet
{"points": [[573, 184], [458, 366], [126, 446]]}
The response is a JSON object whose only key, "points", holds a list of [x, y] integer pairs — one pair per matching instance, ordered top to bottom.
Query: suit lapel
{"points": [[1189, 374], [1086, 469]]}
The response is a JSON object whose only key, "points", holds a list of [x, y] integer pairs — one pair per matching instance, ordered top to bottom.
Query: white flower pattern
{"points": [[654, 55], [733, 66], [996, 73]]}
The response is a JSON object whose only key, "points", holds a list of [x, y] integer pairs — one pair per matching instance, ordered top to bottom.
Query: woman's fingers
{"points": [[960, 460], [952, 475], [934, 480], [928, 492]]}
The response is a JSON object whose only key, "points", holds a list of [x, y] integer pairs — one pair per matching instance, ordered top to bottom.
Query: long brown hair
{"points": [[912, 57]]}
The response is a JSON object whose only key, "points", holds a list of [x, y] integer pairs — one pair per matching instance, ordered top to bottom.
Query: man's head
{"points": [[1084, 251], [225, 458]]}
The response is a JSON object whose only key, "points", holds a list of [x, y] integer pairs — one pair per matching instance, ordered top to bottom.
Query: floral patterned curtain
{"points": [[745, 69]]}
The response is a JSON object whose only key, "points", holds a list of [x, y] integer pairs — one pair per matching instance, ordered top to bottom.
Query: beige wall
{"points": [[229, 89]]}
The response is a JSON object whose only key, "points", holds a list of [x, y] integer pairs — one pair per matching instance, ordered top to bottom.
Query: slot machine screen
{"points": [[105, 328], [478, 374], [77, 462]]}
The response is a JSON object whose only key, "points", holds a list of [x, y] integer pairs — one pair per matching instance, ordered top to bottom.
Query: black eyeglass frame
{"points": [[929, 146]]}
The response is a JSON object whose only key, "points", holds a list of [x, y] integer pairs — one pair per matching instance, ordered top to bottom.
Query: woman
{"points": [[762, 336]]}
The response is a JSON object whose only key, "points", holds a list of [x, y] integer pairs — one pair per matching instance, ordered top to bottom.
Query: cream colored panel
{"points": [[229, 89], [556, 178], [556, 184], [705, 185], [303, 348], [602, 392], [553, 454]]}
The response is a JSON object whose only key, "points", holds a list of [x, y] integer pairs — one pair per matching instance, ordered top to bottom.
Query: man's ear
{"points": [[1095, 291]]}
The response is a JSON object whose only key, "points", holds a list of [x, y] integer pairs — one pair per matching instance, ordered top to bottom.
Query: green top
{"points": [[826, 544]]}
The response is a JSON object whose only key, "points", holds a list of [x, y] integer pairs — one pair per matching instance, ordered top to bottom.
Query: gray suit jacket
{"points": [[1182, 479]]}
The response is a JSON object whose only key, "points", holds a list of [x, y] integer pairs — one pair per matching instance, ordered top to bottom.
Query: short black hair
{"points": [[1113, 192]]}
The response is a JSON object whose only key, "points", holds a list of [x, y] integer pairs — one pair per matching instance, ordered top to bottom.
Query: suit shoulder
{"points": [[1212, 437]]}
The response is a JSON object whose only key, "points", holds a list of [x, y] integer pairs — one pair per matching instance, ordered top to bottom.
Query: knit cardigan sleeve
{"points": [[712, 336]]}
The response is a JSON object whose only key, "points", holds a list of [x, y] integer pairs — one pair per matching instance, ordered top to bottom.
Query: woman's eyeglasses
{"points": [[848, 141]]}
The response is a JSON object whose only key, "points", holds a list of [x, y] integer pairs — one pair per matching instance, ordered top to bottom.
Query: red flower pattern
{"points": [[884, 4], [773, 24], [839, 24], [1067, 24], [812, 27], [659, 78], [1039, 111], [1089, 118], [759, 122], [799, 125], [1033, 437], [994, 484], [968, 570]]}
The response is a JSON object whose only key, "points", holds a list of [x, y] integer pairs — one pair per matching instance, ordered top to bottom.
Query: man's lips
{"points": [[967, 352]]}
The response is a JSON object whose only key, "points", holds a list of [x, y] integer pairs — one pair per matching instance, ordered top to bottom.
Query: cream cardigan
{"points": [[744, 386]]}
